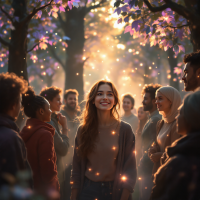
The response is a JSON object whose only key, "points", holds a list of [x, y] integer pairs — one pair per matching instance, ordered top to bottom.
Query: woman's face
{"points": [[104, 99], [163, 103], [55, 104], [127, 104], [141, 113], [46, 115], [181, 124]]}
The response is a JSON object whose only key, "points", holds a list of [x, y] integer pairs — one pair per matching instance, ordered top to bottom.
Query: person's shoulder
{"points": [[156, 118], [124, 126], [8, 135]]}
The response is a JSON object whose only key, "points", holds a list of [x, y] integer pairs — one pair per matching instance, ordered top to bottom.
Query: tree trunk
{"points": [[74, 29], [195, 39], [18, 48], [172, 64], [74, 77]]}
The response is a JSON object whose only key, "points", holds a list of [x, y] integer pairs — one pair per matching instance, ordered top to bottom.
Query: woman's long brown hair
{"points": [[89, 130]]}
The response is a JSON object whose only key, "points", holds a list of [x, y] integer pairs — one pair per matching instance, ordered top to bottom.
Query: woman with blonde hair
{"points": [[168, 100], [104, 165]]}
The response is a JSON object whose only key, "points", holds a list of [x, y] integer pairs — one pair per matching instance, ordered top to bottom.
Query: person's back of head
{"points": [[11, 87], [36, 106], [191, 111]]}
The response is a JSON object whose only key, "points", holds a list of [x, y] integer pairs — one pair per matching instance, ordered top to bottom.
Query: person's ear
{"points": [[41, 111]]}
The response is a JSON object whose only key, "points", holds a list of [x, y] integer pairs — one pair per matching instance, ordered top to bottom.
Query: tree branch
{"points": [[88, 9], [155, 9], [35, 10], [181, 10], [7, 15], [184, 25], [5, 43], [32, 47], [56, 56]]}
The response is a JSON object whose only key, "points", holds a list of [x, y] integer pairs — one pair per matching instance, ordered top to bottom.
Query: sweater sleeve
{"points": [[61, 143], [47, 160], [76, 166], [129, 172]]}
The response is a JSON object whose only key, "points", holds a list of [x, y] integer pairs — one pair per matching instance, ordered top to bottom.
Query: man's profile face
{"points": [[189, 78], [72, 101], [147, 102]]}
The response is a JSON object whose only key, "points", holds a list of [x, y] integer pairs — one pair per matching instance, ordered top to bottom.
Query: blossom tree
{"points": [[19, 20], [72, 24], [169, 24]]}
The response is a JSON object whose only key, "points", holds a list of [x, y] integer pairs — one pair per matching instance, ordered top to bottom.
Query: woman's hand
{"points": [[151, 150], [155, 157]]}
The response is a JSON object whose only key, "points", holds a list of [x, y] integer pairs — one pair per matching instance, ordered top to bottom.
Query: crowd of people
{"points": [[96, 154]]}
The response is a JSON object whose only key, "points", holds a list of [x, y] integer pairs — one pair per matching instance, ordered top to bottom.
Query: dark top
{"points": [[149, 134], [13, 156], [125, 164], [178, 178]]}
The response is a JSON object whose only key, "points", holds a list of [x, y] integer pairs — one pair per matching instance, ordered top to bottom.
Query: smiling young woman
{"points": [[168, 100], [104, 166]]}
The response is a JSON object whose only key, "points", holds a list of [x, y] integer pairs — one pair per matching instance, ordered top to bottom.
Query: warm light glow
{"points": [[95, 33], [121, 46], [130, 50], [137, 52], [84, 58], [117, 59], [141, 64], [42, 67], [150, 67], [77, 74], [29, 127], [113, 132], [114, 148], [90, 169], [97, 173], [124, 178], [139, 178]]}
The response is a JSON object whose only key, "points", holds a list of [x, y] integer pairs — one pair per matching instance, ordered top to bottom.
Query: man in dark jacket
{"points": [[71, 111], [148, 137], [13, 157], [179, 177]]}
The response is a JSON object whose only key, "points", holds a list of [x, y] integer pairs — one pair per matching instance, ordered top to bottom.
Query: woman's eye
{"points": [[99, 94], [110, 94]]}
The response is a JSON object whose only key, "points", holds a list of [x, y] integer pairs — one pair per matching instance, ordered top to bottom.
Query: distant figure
{"points": [[191, 76], [168, 100], [128, 103], [71, 111], [143, 117], [38, 137], [148, 137], [61, 140], [13, 155], [104, 166], [178, 177]]}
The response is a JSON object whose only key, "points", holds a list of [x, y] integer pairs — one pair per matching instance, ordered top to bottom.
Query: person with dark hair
{"points": [[191, 76], [128, 103], [71, 111], [148, 137], [38, 138], [61, 140], [13, 156], [104, 165], [178, 177]]}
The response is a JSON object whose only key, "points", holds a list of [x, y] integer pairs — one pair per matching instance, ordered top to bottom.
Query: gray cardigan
{"points": [[61, 145], [126, 163]]}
